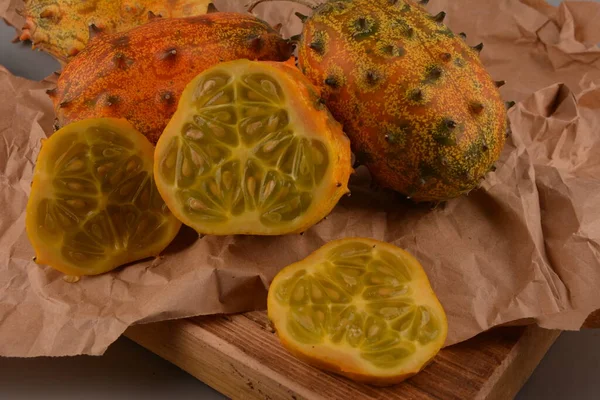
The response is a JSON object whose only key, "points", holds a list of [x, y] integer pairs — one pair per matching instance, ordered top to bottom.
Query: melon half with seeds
{"points": [[251, 150], [93, 204], [360, 308]]}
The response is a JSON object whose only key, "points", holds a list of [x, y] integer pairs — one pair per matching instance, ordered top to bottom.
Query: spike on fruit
{"points": [[423, 2], [211, 8], [47, 13], [152, 16], [302, 17], [439, 17], [94, 31], [463, 36], [295, 38], [255, 42], [317, 46], [478, 47], [168, 54], [446, 57], [434, 74], [372, 77], [331, 81], [499, 83], [51, 92], [416, 95], [167, 97], [112, 100], [509, 104], [476, 107]]}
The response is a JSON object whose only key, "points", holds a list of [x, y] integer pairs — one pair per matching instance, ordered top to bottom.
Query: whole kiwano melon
{"points": [[140, 74], [421, 111]]}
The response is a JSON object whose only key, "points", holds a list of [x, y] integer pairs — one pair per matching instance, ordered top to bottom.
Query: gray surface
{"points": [[570, 369]]}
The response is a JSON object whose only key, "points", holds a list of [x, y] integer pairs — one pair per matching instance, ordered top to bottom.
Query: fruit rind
{"points": [[342, 360]]}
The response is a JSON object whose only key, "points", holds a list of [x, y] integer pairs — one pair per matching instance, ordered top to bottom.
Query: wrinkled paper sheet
{"points": [[524, 248]]}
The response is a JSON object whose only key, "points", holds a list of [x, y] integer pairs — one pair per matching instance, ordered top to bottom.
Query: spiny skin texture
{"points": [[62, 27], [140, 74], [421, 111]]}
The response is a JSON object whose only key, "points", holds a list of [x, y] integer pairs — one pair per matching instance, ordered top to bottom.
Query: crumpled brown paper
{"points": [[524, 247]]}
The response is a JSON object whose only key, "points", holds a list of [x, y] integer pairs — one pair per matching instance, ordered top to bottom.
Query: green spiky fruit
{"points": [[64, 27], [420, 109]]}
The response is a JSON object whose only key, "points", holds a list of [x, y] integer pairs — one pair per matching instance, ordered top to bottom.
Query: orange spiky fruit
{"points": [[140, 74], [421, 111]]}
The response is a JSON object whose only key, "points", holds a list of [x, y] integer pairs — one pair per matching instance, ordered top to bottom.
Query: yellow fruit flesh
{"points": [[236, 158], [93, 204], [361, 308]]}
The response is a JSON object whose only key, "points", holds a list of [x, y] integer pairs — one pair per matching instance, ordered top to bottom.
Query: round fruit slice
{"points": [[251, 150], [93, 204], [361, 308]]}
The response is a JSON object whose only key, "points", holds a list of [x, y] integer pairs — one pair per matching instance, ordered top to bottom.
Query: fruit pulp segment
{"points": [[238, 156], [97, 200], [363, 298]]}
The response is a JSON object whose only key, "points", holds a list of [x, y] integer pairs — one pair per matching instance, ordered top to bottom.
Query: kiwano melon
{"points": [[63, 27], [140, 74], [421, 111], [252, 150], [94, 205]]}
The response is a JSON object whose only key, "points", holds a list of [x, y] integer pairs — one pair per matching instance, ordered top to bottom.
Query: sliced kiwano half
{"points": [[251, 150], [94, 204], [360, 308]]}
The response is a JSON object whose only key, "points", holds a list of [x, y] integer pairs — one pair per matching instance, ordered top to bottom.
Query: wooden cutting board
{"points": [[240, 357]]}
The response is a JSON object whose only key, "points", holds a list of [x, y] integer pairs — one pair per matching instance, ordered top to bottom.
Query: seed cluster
{"points": [[239, 155], [103, 204], [362, 297]]}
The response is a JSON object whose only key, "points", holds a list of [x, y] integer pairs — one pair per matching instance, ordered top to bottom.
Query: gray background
{"points": [[570, 370]]}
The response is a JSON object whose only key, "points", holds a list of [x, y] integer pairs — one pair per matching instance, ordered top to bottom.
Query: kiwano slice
{"points": [[62, 28], [140, 74], [251, 150], [93, 204], [360, 308]]}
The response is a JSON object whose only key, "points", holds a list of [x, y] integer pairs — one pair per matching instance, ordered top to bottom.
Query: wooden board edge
{"points": [[592, 321], [176, 340], [517, 367]]}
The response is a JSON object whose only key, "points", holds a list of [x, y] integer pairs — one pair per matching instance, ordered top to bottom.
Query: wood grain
{"points": [[240, 357]]}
